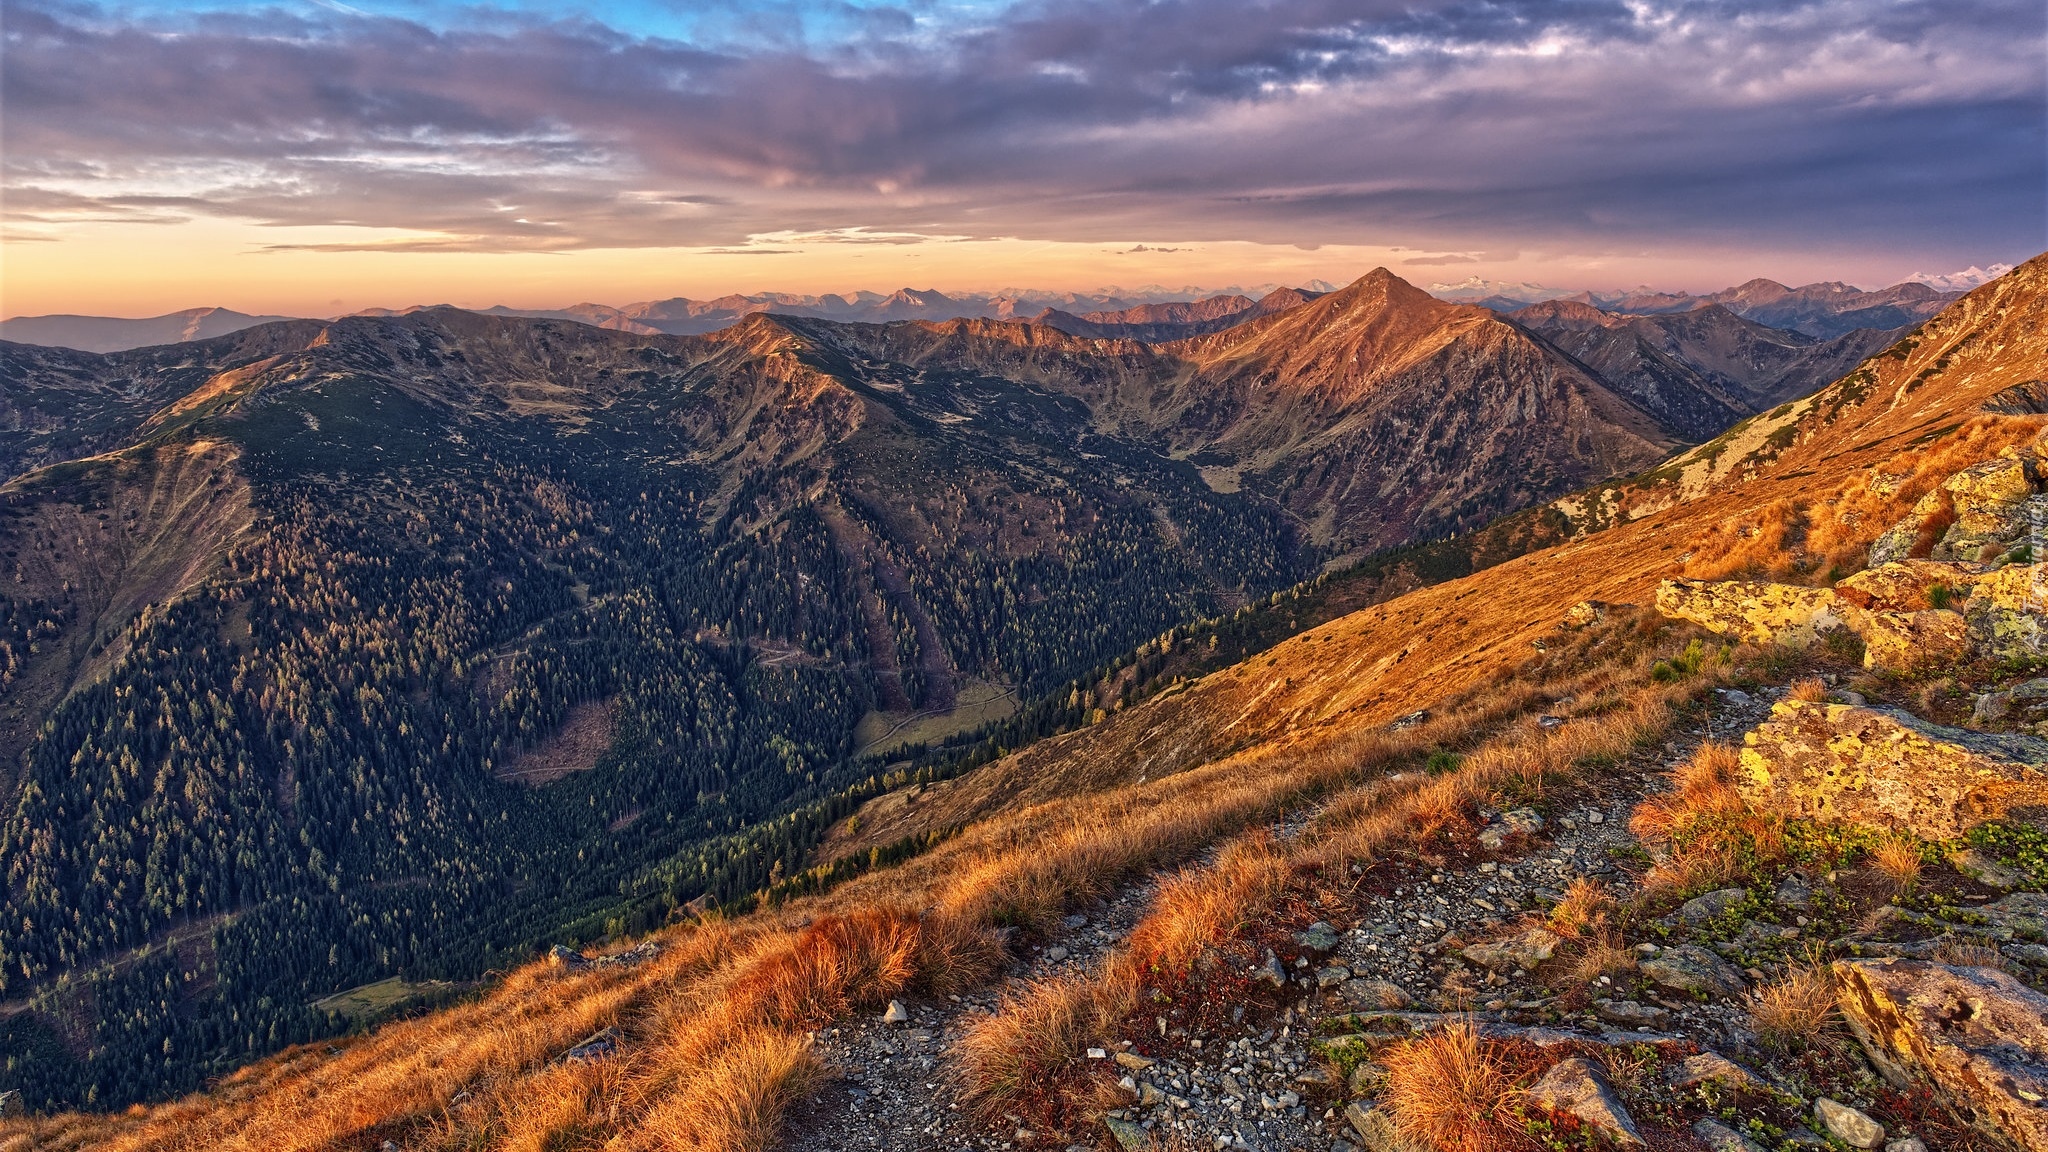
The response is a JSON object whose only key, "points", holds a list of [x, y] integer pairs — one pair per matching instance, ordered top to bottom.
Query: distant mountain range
{"points": [[1824, 310], [1153, 314], [117, 334]]}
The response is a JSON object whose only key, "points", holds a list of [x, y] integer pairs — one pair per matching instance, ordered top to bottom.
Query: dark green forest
{"points": [[286, 781]]}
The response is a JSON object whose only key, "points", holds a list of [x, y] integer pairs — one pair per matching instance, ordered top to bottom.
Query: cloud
{"points": [[1441, 125], [1147, 248], [1428, 261]]}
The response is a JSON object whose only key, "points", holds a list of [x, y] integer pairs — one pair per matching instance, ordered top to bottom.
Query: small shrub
{"points": [[1939, 596], [1810, 690], [1899, 858], [1583, 910], [1796, 1011], [1008, 1059], [1447, 1090]]}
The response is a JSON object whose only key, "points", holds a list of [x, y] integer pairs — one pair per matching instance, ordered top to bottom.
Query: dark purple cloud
{"points": [[1450, 124]]}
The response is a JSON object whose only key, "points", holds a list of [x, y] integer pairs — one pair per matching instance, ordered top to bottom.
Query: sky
{"points": [[312, 157]]}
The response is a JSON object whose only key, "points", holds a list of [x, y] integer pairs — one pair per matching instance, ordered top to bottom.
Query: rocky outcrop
{"points": [[1981, 512], [1908, 585], [1759, 612], [2006, 613], [1912, 615], [1913, 641], [1878, 767], [1978, 1035]]}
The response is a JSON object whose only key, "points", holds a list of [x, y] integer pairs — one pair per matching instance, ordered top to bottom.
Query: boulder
{"points": [[1990, 499], [1902, 540], [1906, 585], [2015, 588], [1585, 612], [1759, 612], [2005, 613], [1913, 641], [1885, 768], [1516, 822], [1988, 870], [1712, 906], [1318, 938], [1525, 949], [560, 956], [1691, 969], [1370, 994], [1630, 1014], [1977, 1034], [1714, 1068], [1578, 1088], [1849, 1125], [1376, 1129], [1128, 1136], [1721, 1138]]}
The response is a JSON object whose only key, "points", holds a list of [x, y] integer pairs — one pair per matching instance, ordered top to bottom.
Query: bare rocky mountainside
{"points": [[1695, 808]]}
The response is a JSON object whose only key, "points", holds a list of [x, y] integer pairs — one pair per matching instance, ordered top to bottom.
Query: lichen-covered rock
{"points": [[1990, 499], [1902, 540], [1907, 585], [2014, 587], [1756, 611], [1583, 613], [2008, 613], [1912, 641], [1883, 768], [1986, 869], [2020, 916], [1525, 949], [1693, 970], [1977, 1034], [1714, 1068], [1578, 1088], [1849, 1125], [1720, 1138]]}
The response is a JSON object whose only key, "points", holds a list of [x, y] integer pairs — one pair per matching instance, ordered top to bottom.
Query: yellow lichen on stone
{"points": [[1755, 611]]}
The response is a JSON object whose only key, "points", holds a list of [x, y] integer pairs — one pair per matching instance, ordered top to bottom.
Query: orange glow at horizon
{"points": [[126, 269]]}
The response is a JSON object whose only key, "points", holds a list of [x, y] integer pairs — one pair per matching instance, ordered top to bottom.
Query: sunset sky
{"points": [[314, 156]]}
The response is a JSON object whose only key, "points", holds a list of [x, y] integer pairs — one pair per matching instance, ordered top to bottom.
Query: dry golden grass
{"points": [[1814, 535], [1810, 691], [1711, 837], [1897, 857], [1208, 907], [1584, 910], [1605, 953], [1797, 1010], [1011, 1056], [1448, 1091], [737, 1096]]}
